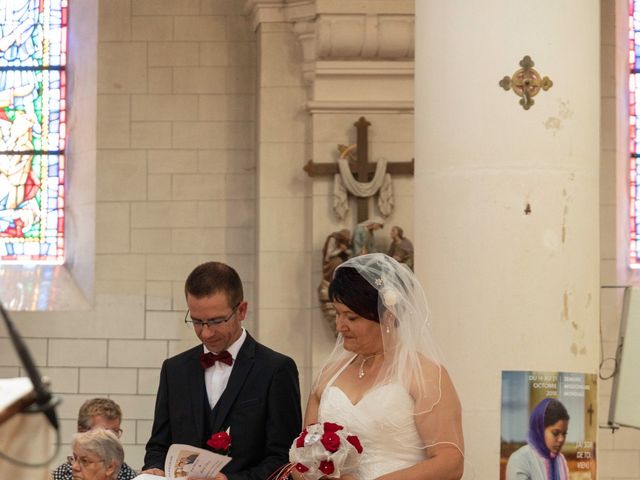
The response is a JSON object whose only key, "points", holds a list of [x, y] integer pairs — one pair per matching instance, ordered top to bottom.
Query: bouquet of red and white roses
{"points": [[323, 450]]}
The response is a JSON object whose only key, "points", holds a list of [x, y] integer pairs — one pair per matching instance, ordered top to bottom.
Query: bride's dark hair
{"points": [[353, 290]]}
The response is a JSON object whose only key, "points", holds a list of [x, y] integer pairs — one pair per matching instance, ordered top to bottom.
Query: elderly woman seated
{"points": [[97, 455]]}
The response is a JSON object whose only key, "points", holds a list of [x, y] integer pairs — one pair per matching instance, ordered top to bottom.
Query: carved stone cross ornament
{"points": [[526, 82], [354, 173]]}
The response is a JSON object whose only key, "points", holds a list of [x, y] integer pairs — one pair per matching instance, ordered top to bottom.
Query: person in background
{"points": [[97, 413], [97, 455]]}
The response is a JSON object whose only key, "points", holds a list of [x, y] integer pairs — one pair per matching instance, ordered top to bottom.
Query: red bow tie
{"points": [[208, 359]]}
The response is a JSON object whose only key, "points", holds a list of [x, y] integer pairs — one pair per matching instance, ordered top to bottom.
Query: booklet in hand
{"points": [[185, 461]]}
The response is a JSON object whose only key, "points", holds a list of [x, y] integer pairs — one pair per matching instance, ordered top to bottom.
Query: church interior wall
{"points": [[190, 136], [496, 276], [282, 294]]}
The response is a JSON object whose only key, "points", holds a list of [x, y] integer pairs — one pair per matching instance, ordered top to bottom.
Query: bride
{"points": [[384, 380]]}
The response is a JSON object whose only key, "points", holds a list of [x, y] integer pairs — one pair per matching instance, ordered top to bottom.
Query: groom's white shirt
{"points": [[217, 376]]}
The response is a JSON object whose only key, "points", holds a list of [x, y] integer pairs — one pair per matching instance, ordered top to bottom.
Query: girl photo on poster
{"points": [[548, 426]]}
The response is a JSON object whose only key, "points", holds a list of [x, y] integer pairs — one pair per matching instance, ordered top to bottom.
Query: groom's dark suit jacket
{"points": [[261, 405]]}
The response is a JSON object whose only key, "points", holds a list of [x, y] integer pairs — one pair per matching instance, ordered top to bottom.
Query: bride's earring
{"points": [[386, 319]]}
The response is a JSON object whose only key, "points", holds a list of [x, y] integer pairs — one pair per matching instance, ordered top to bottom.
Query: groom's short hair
{"points": [[214, 277]]}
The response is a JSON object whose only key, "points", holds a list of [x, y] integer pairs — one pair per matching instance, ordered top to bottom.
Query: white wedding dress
{"points": [[384, 422]]}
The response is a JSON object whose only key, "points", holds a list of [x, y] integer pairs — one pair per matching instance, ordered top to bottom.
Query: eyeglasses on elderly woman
{"points": [[84, 462]]}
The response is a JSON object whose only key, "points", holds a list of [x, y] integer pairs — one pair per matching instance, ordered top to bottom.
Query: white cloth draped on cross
{"points": [[344, 182]]}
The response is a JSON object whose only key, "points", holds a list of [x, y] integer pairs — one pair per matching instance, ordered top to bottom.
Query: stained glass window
{"points": [[33, 42]]}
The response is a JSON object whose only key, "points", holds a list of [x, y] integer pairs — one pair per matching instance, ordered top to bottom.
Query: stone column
{"points": [[506, 199], [283, 275]]}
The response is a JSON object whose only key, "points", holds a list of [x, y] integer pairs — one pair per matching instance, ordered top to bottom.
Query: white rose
{"points": [[390, 297], [314, 434]]}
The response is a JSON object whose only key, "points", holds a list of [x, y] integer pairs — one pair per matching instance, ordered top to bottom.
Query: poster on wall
{"points": [[548, 425]]}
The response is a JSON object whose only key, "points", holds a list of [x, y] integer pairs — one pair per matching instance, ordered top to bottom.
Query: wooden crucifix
{"points": [[362, 169]]}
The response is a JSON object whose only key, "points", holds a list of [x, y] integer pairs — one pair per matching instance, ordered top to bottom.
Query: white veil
{"points": [[411, 356]]}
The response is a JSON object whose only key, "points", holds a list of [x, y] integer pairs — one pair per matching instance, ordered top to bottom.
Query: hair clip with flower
{"points": [[389, 296]]}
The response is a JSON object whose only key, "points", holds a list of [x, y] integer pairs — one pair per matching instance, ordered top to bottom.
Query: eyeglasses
{"points": [[212, 322], [82, 461]]}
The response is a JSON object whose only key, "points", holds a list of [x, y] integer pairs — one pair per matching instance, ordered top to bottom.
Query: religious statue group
{"points": [[341, 245]]}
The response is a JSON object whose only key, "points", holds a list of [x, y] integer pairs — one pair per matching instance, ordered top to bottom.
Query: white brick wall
{"points": [[80, 352]]}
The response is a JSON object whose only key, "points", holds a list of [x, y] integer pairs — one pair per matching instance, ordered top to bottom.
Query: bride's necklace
{"points": [[361, 372]]}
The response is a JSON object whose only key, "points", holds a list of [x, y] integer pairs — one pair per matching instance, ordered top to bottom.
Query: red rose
{"points": [[332, 427], [300, 439], [331, 441], [355, 441], [220, 442], [326, 467], [301, 468]]}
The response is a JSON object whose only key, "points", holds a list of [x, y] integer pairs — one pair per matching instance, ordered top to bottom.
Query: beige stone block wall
{"points": [[175, 186], [283, 268]]}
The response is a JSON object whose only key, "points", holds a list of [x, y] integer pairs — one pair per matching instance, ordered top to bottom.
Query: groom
{"points": [[229, 382]]}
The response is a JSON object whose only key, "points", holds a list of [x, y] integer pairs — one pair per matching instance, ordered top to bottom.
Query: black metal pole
{"points": [[46, 403]]}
